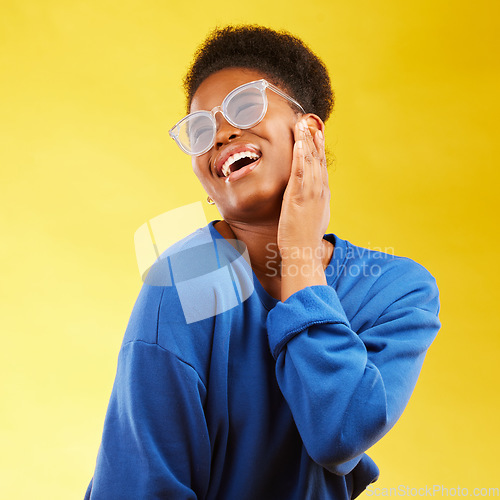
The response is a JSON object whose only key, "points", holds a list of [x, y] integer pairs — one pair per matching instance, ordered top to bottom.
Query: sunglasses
{"points": [[244, 107]]}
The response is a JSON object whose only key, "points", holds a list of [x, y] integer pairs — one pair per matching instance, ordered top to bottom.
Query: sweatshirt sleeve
{"points": [[346, 390], [155, 442]]}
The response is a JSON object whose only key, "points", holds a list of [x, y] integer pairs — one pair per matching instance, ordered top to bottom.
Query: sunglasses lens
{"points": [[243, 108], [246, 108], [196, 133]]}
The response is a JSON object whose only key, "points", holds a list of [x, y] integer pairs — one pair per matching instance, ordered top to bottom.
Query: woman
{"points": [[269, 381]]}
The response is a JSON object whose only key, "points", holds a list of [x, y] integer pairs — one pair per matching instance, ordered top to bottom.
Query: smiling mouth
{"points": [[237, 161]]}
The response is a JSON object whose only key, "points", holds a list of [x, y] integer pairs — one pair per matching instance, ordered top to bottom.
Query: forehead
{"points": [[215, 87]]}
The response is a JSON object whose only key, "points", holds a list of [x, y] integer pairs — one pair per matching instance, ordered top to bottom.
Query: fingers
{"points": [[319, 140], [311, 149], [310, 155], [312, 158], [297, 173], [309, 176]]}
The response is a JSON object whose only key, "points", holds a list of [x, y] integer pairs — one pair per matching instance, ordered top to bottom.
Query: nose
{"points": [[225, 132]]}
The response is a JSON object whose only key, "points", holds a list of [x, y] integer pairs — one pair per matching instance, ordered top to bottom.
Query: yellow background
{"points": [[88, 91]]}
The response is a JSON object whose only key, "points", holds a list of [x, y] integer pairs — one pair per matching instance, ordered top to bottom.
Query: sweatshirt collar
{"points": [[332, 272]]}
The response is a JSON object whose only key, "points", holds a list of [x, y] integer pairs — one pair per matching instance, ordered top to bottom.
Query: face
{"points": [[255, 191]]}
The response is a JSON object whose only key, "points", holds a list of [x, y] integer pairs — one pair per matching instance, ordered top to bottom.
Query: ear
{"points": [[314, 122]]}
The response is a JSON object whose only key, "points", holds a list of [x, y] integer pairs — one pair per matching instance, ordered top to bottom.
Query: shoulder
{"points": [[384, 266], [378, 278], [191, 283], [159, 293]]}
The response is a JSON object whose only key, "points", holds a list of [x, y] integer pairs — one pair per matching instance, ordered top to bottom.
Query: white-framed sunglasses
{"points": [[244, 107]]}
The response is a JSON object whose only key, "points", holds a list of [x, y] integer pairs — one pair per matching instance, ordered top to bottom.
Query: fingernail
{"points": [[320, 135], [299, 144]]}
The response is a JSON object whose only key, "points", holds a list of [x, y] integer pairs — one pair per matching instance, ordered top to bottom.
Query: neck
{"points": [[261, 242]]}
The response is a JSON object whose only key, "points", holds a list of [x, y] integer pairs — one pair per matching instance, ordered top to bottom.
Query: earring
{"points": [[210, 201]]}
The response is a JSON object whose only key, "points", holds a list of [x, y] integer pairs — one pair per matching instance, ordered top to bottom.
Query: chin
{"points": [[263, 202]]}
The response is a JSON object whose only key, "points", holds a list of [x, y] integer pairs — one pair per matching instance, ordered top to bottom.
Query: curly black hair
{"points": [[282, 57]]}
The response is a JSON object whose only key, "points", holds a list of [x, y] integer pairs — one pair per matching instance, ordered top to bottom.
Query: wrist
{"points": [[292, 253], [301, 267], [300, 272]]}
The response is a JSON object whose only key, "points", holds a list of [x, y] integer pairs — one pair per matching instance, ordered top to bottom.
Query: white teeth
{"points": [[237, 156]]}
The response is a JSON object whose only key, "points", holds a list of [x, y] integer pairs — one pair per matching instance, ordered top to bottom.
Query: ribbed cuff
{"points": [[312, 305]]}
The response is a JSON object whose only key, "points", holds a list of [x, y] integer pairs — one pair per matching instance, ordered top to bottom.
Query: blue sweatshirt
{"points": [[223, 392]]}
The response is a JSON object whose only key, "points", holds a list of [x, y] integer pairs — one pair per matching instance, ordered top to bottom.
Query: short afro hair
{"points": [[282, 57]]}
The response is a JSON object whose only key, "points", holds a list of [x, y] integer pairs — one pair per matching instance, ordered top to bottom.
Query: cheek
{"points": [[281, 147], [199, 165], [195, 166], [200, 168]]}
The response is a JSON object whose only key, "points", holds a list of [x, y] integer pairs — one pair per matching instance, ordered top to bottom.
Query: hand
{"points": [[305, 211]]}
